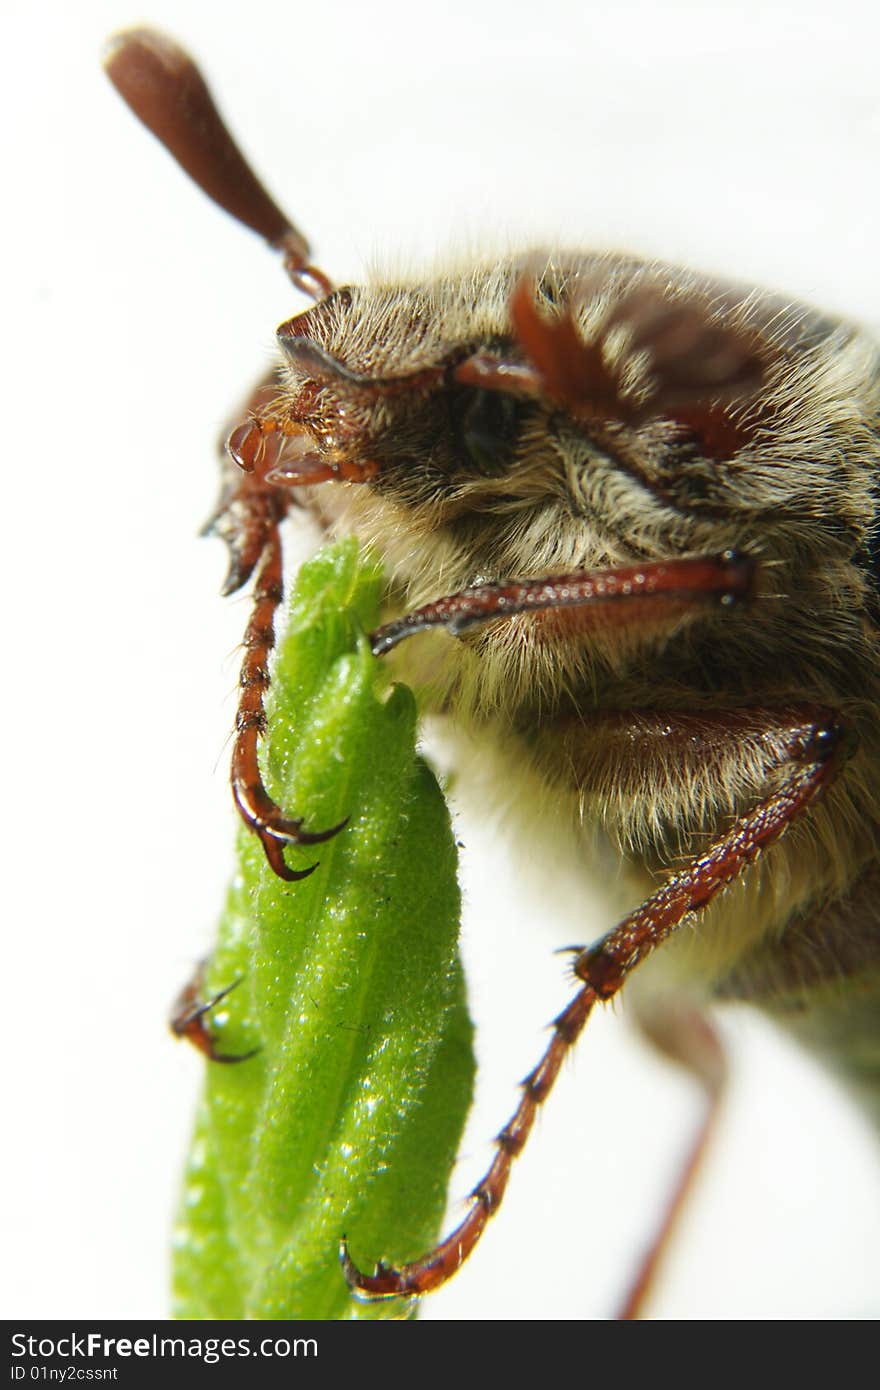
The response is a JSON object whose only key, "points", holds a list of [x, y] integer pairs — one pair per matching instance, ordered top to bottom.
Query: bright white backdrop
{"points": [[742, 138]]}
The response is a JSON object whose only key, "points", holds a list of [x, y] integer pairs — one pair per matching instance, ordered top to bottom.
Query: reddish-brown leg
{"points": [[248, 519], [628, 594], [815, 756], [259, 812], [188, 1020], [687, 1037]]}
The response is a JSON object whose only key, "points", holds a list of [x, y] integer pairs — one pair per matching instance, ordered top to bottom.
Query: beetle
{"points": [[639, 504]]}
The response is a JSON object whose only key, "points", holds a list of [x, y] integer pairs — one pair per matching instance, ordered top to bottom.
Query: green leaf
{"points": [[347, 1121]]}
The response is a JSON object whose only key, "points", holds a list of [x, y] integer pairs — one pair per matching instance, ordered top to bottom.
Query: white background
{"points": [[742, 138]]}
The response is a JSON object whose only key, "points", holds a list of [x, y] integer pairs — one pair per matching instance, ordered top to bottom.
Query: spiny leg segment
{"points": [[248, 519], [613, 595], [814, 756], [257, 808], [188, 1020]]}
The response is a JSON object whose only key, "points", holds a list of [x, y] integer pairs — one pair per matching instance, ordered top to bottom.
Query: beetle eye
{"points": [[485, 425]]}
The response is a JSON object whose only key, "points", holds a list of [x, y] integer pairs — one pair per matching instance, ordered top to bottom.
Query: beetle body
{"points": [[642, 504], [621, 723]]}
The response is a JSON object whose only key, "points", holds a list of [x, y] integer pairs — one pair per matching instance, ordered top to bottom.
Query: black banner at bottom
{"points": [[200, 1353]]}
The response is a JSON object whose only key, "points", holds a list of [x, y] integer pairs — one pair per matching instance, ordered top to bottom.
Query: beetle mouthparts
{"points": [[286, 455]]}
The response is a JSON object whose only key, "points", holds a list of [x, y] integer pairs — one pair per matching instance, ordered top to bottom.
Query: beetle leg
{"points": [[248, 518], [660, 589], [816, 755], [813, 758], [258, 811], [188, 1020], [685, 1035]]}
